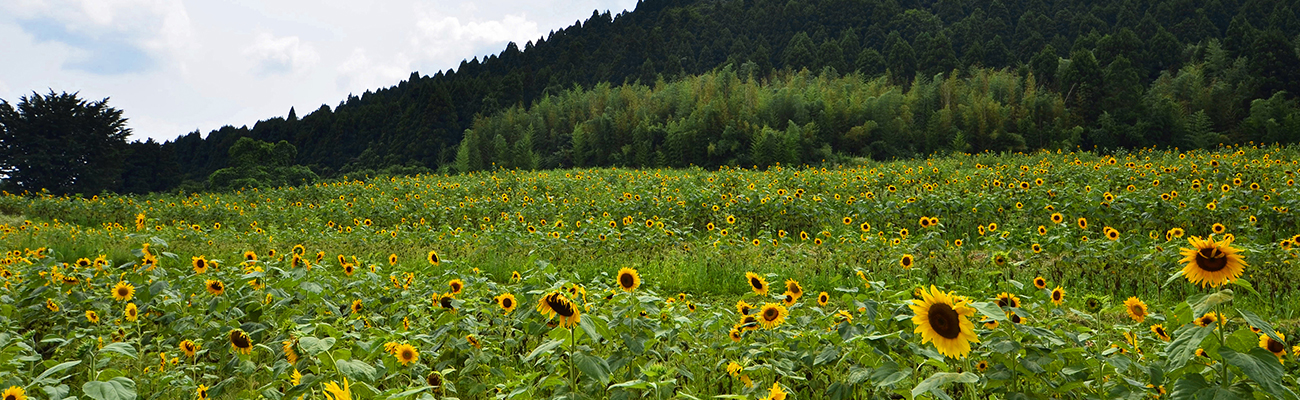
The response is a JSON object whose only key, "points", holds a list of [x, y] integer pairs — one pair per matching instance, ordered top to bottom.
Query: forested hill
{"points": [[1245, 49]]}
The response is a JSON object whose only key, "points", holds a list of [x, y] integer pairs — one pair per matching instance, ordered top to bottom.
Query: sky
{"points": [[177, 66]]}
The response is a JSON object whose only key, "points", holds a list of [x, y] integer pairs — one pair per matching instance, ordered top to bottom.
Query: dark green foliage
{"points": [[62, 144], [254, 163]]}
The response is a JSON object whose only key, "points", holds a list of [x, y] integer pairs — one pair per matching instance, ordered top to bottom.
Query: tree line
{"points": [[1115, 64]]}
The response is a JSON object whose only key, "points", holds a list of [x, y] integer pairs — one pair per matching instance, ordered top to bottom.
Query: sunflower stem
{"points": [[573, 341], [1223, 342]]}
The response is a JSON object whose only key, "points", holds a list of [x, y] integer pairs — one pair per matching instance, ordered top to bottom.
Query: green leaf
{"points": [[1173, 278], [1211, 300], [990, 310], [1260, 323], [590, 329], [1186, 340], [313, 346], [544, 347], [120, 348], [828, 354], [594, 367], [1262, 367], [356, 369], [54, 370], [889, 374], [943, 378], [632, 384], [119, 388], [410, 392]]}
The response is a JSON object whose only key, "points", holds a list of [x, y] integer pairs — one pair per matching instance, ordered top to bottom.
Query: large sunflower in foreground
{"points": [[1211, 262], [628, 279], [756, 282], [555, 304], [1136, 309], [942, 318], [240, 341], [406, 354], [334, 392], [15, 393]]}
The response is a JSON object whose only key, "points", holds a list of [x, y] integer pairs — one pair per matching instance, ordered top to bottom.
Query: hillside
{"points": [[1242, 51]]}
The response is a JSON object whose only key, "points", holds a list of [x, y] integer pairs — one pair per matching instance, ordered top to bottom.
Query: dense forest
{"points": [[679, 82]]}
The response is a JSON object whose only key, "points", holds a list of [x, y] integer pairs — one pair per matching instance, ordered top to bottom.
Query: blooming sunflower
{"points": [[1083, 223], [250, 255], [433, 258], [392, 259], [906, 261], [1212, 263], [200, 264], [515, 276], [628, 279], [757, 283], [1040, 283], [456, 285], [215, 287], [794, 288], [123, 291], [1058, 296], [823, 298], [788, 299], [1008, 300], [507, 302], [555, 304], [51, 305], [357, 306], [743, 307], [1136, 309], [132, 312], [772, 315], [92, 316], [942, 318], [1207, 319], [1160, 332], [240, 341], [189, 348], [1277, 348], [289, 353], [406, 354], [982, 366], [201, 392], [334, 392], [776, 392], [15, 393]]}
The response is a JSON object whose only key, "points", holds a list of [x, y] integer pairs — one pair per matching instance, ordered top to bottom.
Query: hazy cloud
{"points": [[274, 55]]}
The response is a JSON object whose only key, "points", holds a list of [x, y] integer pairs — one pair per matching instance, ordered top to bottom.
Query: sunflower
{"points": [[1057, 218], [1083, 223], [1111, 233], [1036, 248], [250, 255], [433, 258], [392, 259], [906, 261], [1212, 263], [200, 264], [349, 268], [515, 276], [628, 279], [757, 283], [1040, 283], [456, 285], [215, 287], [794, 288], [123, 291], [1058, 296], [788, 298], [823, 298], [1008, 300], [445, 301], [507, 302], [1092, 303], [555, 304], [51, 305], [357, 307], [743, 307], [1136, 309], [132, 312], [772, 315], [92, 316], [942, 318], [1015, 318], [1207, 319], [748, 323], [989, 323], [1160, 332], [240, 341], [473, 341], [189, 348], [1277, 348], [289, 354], [406, 354], [982, 366], [434, 379], [334, 392], [15, 393], [201, 393], [776, 393]]}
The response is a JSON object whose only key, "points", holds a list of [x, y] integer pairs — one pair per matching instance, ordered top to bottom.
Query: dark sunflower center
{"points": [[1211, 260], [907, 261], [200, 264], [626, 281], [757, 284], [216, 286], [455, 287], [795, 289], [122, 292], [1056, 295], [823, 299], [445, 302], [1003, 302], [507, 303], [562, 307], [745, 310], [1138, 311], [771, 314], [1015, 318], [943, 319], [1206, 321], [1161, 332], [240, 340], [1274, 346], [407, 354], [435, 380], [11, 397]]}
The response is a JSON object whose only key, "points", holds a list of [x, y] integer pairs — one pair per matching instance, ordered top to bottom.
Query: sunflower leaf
{"points": [[1173, 278], [1242, 282], [1213, 299], [990, 310], [1260, 323], [1186, 340], [313, 346], [544, 347], [120, 348], [592, 366], [1261, 366], [54, 370], [939, 379], [119, 388]]}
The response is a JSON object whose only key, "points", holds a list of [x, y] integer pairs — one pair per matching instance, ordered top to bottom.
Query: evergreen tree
{"points": [[61, 143]]}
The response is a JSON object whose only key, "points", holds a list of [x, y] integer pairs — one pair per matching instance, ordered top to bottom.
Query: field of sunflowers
{"points": [[1017, 276]]}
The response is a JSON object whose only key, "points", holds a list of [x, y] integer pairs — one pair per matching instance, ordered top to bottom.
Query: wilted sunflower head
{"points": [[1092, 303]]}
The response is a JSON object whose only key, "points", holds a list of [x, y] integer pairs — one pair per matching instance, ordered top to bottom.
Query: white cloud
{"points": [[446, 40], [281, 55], [359, 73]]}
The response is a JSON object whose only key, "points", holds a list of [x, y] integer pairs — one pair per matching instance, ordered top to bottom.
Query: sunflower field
{"points": [[1015, 276]]}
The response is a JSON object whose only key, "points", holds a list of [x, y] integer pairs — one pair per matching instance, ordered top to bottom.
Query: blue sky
{"points": [[176, 66]]}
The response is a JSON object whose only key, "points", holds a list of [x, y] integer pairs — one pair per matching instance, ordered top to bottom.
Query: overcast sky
{"points": [[176, 66]]}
